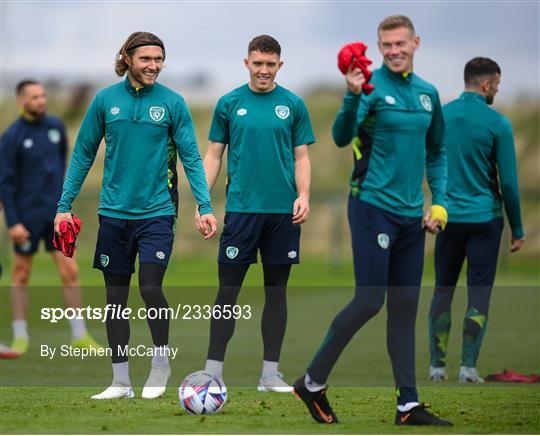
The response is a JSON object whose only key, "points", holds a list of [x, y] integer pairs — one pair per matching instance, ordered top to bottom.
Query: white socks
{"points": [[78, 327], [20, 329], [161, 357], [214, 367], [269, 368], [121, 374], [312, 386], [407, 406]]}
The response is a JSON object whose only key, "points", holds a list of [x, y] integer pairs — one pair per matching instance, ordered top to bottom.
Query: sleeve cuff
{"points": [[205, 209], [517, 233]]}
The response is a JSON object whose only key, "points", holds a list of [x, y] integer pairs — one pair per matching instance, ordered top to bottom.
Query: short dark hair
{"points": [[395, 22], [134, 41], [264, 44], [479, 67], [21, 86]]}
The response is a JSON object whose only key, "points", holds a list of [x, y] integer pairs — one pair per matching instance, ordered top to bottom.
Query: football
{"points": [[202, 393]]}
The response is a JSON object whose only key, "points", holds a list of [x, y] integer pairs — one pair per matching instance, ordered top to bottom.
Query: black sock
{"points": [[117, 286], [150, 286], [274, 317], [221, 330]]}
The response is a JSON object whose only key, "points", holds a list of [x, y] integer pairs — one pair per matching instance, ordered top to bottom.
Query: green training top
{"points": [[141, 128], [261, 130], [398, 134], [480, 145]]}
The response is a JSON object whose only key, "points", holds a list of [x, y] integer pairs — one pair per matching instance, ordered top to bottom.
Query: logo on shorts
{"points": [[389, 99], [426, 102], [115, 110], [241, 112], [282, 112], [157, 113], [54, 136], [28, 143], [383, 240], [26, 246], [231, 252], [292, 254], [160, 255], [104, 259]]}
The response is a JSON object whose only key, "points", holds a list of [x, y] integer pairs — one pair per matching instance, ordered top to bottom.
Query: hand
{"points": [[355, 80], [300, 210], [61, 216], [198, 222], [207, 226], [432, 226], [19, 234], [516, 244]]}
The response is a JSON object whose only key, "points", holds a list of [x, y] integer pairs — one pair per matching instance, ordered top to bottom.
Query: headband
{"points": [[133, 47]]}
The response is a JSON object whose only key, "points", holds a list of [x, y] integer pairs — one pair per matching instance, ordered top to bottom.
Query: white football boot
{"points": [[437, 373], [469, 374], [157, 382], [274, 383], [115, 391]]}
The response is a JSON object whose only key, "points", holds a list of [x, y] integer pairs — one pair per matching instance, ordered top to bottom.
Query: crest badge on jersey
{"points": [[389, 99], [426, 102], [115, 110], [241, 112], [282, 112], [157, 113], [54, 136], [28, 143], [383, 240], [231, 252], [104, 259]]}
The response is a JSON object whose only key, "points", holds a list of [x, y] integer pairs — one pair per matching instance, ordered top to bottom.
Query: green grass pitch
{"points": [[38, 395]]}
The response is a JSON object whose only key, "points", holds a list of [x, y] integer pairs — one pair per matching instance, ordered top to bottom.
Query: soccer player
{"points": [[144, 125], [267, 131], [397, 131], [32, 163], [481, 177]]}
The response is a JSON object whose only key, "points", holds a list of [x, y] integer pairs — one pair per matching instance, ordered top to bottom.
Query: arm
{"points": [[344, 127], [184, 137], [86, 146], [63, 148], [505, 156], [212, 162], [436, 169], [302, 175], [8, 176]]}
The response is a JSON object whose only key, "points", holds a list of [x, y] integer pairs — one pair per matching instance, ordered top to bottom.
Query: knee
{"points": [[69, 273], [21, 274], [150, 293]]}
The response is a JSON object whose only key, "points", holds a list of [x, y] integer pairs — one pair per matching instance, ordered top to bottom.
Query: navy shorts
{"points": [[38, 231], [273, 234], [120, 240]]}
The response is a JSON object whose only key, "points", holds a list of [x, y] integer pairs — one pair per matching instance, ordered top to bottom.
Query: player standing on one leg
{"points": [[144, 125], [399, 129], [267, 130], [480, 147], [33, 153]]}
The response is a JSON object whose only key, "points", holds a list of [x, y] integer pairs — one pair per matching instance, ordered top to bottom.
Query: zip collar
{"points": [[398, 77], [137, 91]]}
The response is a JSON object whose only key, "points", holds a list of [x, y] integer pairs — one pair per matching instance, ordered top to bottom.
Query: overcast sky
{"points": [[44, 39]]}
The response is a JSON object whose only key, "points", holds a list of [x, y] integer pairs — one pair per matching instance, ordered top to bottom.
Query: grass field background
{"points": [[52, 396]]}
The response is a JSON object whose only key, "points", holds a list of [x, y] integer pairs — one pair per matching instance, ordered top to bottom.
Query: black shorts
{"points": [[38, 231], [273, 234], [120, 240]]}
